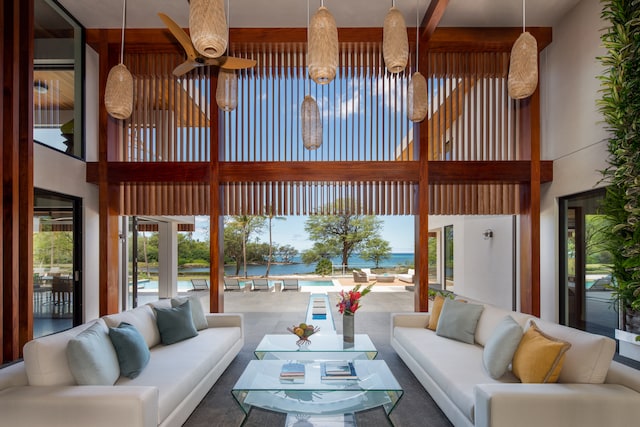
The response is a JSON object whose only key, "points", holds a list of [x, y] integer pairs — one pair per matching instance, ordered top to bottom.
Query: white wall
{"points": [[572, 133], [58, 172], [482, 269]]}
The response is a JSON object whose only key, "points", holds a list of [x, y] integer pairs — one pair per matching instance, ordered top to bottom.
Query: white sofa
{"points": [[407, 277], [592, 389], [42, 390]]}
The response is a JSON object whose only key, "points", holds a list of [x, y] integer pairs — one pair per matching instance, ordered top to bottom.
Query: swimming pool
{"points": [[315, 282]]}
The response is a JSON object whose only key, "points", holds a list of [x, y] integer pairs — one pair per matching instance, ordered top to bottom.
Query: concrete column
{"points": [[167, 259]]}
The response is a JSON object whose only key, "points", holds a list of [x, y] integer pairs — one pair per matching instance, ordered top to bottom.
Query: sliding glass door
{"points": [[57, 287]]}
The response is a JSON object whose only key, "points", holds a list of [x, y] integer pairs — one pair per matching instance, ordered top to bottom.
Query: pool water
{"points": [[315, 282], [186, 285]]}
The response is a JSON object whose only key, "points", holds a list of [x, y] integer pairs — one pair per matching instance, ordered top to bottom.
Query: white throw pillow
{"points": [[142, 318], [501, 346], [92, 358]]}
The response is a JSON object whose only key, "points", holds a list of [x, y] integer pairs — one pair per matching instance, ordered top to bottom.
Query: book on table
{"points": [[338, 370], [292, 371]]}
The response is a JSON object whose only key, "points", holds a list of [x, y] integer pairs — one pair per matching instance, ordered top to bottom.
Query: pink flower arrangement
{"points": [[349, 301]]}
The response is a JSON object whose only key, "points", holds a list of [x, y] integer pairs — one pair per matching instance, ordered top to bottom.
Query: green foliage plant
{"points": [[620, 106], [324, 267]]}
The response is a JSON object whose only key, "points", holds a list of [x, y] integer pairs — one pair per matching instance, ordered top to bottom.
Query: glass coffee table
{"points": [[322, 347], [260, 386]]}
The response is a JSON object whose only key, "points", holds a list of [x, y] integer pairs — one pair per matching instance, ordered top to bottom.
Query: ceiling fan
{"points": [[196, 60]]}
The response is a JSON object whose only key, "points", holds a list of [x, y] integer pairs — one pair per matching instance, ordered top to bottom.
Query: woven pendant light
{"points": [[208, 27], [395, 42], [322, 49], [523, 65], [227, 90], [118, 93], [417, 98], [417, 102], [311, 123]]}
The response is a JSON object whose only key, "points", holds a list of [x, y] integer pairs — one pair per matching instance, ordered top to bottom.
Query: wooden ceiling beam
{"points": [[432, 18], [442, 39], [440, 172]]}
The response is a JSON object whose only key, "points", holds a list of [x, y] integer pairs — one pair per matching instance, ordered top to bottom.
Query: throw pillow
{"points": [[197, 312], [435, 312], [458, 320], [175, 324], [501, 346], [131, 348], [539, 357], [92, 358]]}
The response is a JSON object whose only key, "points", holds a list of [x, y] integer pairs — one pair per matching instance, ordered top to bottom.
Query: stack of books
{"points": [[338, 370], [292, 371]]}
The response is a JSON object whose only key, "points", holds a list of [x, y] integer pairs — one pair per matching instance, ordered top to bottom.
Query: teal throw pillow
{"points": [[197, 312], [458, 320], [175, 324], [501, 346], [131, 348], [92, 358]]}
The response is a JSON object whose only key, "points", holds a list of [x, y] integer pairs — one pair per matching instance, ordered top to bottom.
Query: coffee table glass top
{"points": [[323, 346], [260, 386]]}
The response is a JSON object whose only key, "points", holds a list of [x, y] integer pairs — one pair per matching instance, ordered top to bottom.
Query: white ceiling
{"points": [[293, 13]]}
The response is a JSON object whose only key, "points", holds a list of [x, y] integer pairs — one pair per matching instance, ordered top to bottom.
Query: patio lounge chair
{"points": [[360, 276], [199, 285], [233, 285], [261, 285], [290, 285]]}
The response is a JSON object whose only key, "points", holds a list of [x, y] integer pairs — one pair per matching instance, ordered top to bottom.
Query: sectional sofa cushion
{"points": [[197, 312], [491, 316], [142, 318], [458, 320], [175, 323], [501, 347], [131, 348], [539, 357], [92, 358], [45, 359], [588, 359]]}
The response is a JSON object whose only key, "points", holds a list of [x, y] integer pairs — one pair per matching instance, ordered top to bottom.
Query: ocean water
{"points": [[297, 267]]}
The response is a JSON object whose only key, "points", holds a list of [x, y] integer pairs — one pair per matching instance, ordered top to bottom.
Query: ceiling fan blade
{"points": [[180, 35], [233, 63], [185, 67]]}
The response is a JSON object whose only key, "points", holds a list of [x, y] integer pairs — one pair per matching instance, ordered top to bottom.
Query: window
{"points": [[57, 79], [448, 256]]}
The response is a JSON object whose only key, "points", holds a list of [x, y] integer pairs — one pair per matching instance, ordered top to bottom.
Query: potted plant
{"points": [[619, 105]]}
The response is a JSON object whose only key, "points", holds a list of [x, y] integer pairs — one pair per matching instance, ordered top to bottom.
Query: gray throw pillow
{"points": [[197, 312], [458, 320], [175, 324], [501, 346], [131, 348], [92, 358]]}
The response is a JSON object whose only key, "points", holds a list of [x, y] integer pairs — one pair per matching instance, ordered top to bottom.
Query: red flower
{"points": [[349, 302]]}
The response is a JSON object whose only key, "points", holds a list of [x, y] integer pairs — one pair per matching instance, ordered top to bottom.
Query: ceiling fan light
{"points": [[208, 27], [395, 41], [322, 51], [523, 67], [227, 90], [118, 93], [417, 102], [311, 123]]}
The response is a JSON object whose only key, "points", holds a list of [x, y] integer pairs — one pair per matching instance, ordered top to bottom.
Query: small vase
{"points": [[347, 328]]}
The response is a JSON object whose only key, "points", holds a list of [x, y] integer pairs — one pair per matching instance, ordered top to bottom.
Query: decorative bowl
{"points": [[303, 332]]}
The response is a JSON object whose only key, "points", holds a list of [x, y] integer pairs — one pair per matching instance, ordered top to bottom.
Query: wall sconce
{"points": [[487, 234]]}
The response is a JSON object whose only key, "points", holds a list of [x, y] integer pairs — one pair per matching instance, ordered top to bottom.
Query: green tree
{"points": [[270, 217], [246, 226], [344, 234], [232, 244], [376, 250], [286, 253], [324, 267]]}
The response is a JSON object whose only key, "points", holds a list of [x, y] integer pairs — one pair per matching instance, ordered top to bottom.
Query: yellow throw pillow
{"points": [[438, 301], [539, 357]]}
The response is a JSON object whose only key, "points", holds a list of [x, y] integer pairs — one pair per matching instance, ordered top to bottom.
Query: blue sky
{"points": [[397, 230]]}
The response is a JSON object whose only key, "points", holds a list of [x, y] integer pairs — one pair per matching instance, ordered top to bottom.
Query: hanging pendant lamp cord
{"points": [[524, 14], [124, 15], [308, 25], [417, 34]]}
